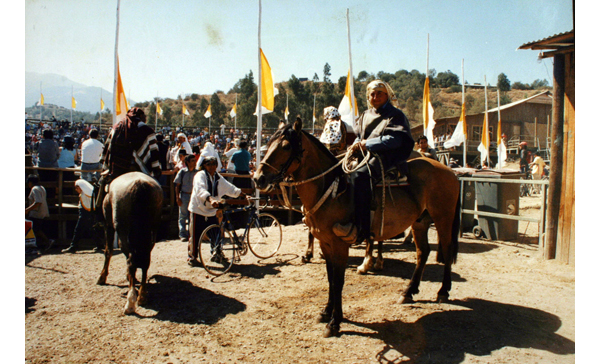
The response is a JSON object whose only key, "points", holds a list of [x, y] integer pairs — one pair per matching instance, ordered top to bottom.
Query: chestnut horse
{"points": [[431, 196], [132, 208]]}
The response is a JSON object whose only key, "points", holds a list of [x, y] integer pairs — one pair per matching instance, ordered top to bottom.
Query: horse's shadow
{"points": [[261, 268], [433, 272], [180, 301], [478, 327]]}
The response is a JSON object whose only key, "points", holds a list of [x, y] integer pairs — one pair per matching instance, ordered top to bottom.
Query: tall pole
{"points": [[116, 66], [427, 66], [351, 78], [71, 104], [42, 105], [259, 106], [314, 112], [156, 113], [235, 117], [465, 119], [486, 123], [498, 133]]}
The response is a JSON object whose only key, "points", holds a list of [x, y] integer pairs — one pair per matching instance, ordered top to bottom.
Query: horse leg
{"points": [[109, 233], [409, 238], [422, 246], [309, 249], [445, 255], [368, 260], [379, 262], [143, 294], [132, 295], [325, 315], [337, 315]]}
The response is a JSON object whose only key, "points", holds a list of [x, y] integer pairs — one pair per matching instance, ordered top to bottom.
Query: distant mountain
{"points": [[57, 91]]}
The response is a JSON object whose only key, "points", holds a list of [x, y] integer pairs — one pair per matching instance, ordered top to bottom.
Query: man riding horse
{"points": [[384, 131], [131, 146]]}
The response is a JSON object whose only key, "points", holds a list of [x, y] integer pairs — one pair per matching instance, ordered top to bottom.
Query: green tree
{"points": [[327, 73], [362, 76], [446, 79], [503, 82]]}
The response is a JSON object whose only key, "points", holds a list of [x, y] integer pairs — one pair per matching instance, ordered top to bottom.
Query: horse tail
{"points": [[142, 224]]}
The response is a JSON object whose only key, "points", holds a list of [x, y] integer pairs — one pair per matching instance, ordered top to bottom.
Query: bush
{"points": [[454, 89]]}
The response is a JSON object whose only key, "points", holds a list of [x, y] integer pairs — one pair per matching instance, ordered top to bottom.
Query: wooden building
{"points": [[523, 120], [560, 233]]}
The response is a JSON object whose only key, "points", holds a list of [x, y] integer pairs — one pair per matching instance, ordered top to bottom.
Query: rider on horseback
{"points": [[383, 130], [131, 146]]}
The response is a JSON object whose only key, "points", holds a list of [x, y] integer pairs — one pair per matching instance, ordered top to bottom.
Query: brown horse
{"points": [[432, 196], [132, 208]]}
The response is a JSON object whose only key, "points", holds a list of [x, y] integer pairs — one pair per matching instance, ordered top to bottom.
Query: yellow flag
{"points": [[267, 88], [42, 99], [73, 103], [101, 104], [121, 105], [158, 109], [345, 109], [184, 110], [233, 112], [287, 112], [208, 113], [428, 122], [485, 140]]}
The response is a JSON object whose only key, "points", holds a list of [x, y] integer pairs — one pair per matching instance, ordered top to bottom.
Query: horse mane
{"points": [[292, 136]]}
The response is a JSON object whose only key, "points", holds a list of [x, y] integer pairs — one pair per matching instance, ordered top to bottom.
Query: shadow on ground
{"points": [[180, 301], [474, 326]]}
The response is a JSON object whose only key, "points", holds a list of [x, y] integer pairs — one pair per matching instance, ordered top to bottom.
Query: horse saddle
{"points": [[395, 176]]}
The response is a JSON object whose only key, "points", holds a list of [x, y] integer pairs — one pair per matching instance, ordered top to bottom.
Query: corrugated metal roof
{"points": [[552, 42], [529, 99]]}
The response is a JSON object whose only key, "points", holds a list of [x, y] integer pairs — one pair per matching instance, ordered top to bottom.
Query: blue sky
{"points": [[167, 48]]}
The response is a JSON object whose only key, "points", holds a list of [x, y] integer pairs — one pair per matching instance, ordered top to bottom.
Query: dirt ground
{"points": [[506, 306]]}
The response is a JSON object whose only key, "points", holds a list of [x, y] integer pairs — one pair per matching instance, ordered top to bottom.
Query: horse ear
{"points": [[298, 125]]}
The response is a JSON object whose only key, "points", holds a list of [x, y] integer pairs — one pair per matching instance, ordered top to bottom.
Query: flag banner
{"points": [[268, 89], [42, 100], [73, 103], [101, 104], [121, 105], [158, 109], [345, 109], [184, 110], [233, 111], [208, 113], [286, 113], [428, 122], [459, 136], [485, 140], [502, 152]]}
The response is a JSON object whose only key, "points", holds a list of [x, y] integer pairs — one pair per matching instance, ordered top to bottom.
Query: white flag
{"points": [[345, 109], [233, 112], [208, 113], [459, 136]]}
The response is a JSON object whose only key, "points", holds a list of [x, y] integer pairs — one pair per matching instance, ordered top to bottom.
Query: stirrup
{"points": [[348, 232]]}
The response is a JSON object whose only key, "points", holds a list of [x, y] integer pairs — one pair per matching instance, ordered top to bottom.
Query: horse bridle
{"points": [[296, 154]]}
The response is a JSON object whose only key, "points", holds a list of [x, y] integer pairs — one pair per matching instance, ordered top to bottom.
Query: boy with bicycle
{"points": [[209, 187]]}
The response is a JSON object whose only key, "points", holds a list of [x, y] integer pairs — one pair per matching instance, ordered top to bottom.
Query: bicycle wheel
{"points": [[264, 235], [217, 250]]}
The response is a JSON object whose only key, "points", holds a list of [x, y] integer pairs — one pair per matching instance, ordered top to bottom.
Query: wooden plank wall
{"points": [[565, 250]]}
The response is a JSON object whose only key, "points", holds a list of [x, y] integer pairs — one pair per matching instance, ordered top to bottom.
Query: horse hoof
{"points": [[306, 259], [360, 270], [101, 281], [406, 299], [442, 299], [142, 300], [129, 311], [331, 331]]}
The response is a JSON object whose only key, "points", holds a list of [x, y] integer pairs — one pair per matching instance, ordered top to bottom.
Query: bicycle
{"points": [[221, 246]]}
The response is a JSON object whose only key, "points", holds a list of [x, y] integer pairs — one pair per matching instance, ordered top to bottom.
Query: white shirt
{"points": [[91, 151], [229, 154], [85, 197], [198, 201]]}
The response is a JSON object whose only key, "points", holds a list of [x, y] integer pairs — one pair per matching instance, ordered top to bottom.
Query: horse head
{"points": [[282, 158]]}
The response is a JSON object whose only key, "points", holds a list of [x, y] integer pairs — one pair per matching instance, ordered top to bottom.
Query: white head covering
{"points": [[381, 86], [331, 112], [208, 150], [85, 197]]}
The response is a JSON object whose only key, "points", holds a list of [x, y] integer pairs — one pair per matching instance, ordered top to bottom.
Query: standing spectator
{"points": [[182, 143], [231, 148], [91, 151], [209, 151], [48, 153], [523, 157], [241, 161], [537, 169], [184, 182], [209, 187], [37, 211], [85, 220]]}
